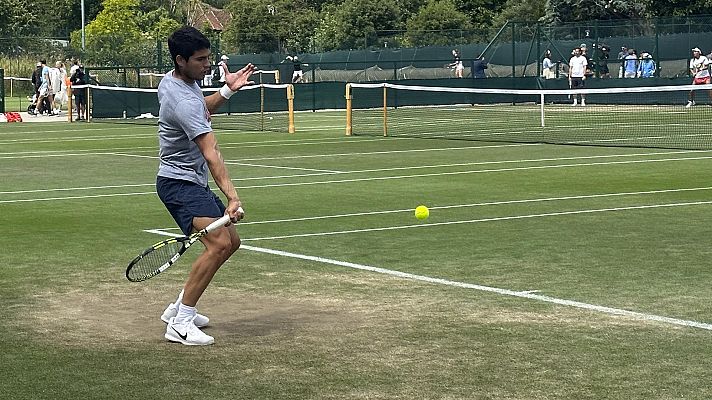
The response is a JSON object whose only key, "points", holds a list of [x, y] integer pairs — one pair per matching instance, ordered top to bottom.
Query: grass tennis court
{"points": [[543, 272]]}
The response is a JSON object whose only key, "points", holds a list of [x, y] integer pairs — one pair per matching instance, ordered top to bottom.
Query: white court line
{"points": [[227, 145], [282, 167], [326, 172], [367, 179], [489, 203], [478, 220], [505, 292], [527, 294]]}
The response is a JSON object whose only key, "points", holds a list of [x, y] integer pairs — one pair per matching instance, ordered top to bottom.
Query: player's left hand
{"points": [[238, 79], [235, 211]]}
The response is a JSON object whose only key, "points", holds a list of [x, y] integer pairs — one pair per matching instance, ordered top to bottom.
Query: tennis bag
{"points": [[13, 117]]}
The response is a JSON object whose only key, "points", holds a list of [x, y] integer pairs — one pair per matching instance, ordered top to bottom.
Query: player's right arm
{"points": [[208, 145]]}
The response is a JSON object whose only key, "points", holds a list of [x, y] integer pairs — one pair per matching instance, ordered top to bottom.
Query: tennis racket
{"points": [[162, 255]]}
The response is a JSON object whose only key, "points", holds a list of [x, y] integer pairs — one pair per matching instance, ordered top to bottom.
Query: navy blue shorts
{"points": [[577, 83], [186, 200]]}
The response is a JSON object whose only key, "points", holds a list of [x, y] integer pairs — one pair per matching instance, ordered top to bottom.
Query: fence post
{"points": [[514, 52]]}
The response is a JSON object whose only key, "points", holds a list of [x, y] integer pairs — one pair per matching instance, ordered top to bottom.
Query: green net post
{"points": [[514, 51], [2, 90]]}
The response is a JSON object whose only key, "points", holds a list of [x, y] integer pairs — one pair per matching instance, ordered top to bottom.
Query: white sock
{"points": [[180, 298], [185, 313]]}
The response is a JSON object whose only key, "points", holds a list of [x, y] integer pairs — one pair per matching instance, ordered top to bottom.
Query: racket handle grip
{"points": [[218, 223]]}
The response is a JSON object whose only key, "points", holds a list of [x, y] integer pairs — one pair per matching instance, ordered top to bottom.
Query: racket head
{"points": [[165, 253], [156, 259]]}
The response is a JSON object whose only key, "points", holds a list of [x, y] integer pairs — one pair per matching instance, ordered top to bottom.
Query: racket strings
{"points": [[149, 263]]}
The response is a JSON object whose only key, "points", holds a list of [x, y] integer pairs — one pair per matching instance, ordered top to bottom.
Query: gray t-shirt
{"points": [[183, 116]]}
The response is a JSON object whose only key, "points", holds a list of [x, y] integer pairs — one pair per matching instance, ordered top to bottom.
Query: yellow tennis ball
{"points": [[421, 212]]}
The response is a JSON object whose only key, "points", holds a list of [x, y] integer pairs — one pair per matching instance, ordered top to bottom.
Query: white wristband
{"points": [[226, 92]]}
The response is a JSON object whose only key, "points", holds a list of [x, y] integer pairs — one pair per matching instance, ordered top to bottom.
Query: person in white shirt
{"points": [[457, 63], [548, 66], [223, 68], [700, 71], [577, 74], [58, 76]]}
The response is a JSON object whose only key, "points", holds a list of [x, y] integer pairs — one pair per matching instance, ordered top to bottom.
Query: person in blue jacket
{"points": [[646, 67]]}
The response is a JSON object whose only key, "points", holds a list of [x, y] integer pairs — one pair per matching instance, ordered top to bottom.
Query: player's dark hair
{"points": [[185, 42]]}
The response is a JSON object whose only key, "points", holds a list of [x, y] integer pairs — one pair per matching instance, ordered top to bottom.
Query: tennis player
{"points": [[700, 70], [577, 74], [188, 150]]}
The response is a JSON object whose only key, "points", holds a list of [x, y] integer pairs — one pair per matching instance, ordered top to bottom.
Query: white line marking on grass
{"points": [[368, 153], [282, 167], [327, 172], [368, 179], [76, 197], [482, 204], [491, 219], [505, 292], [527, 294]]}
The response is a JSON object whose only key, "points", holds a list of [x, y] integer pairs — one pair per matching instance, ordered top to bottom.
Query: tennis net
{"points": [[263, 107], [636, 117]]}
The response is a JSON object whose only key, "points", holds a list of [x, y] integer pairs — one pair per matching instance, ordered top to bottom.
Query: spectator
{"points": [[603, 56], [621, 57], [457, 63], [589, 64], [630, 64], [75, 65], [479, 65], [547, 66], [222, 67], [646, 68], [700, 70], [297, 72], [577, 74], [58, 75], [79, 78], [208, 78], [36, 83], [44, 92]]}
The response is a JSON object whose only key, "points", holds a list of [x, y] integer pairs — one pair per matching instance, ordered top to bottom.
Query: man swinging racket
{"points": [[188, 150]]}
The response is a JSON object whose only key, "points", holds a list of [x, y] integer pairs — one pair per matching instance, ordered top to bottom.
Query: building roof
{"points": [[206, 15]]}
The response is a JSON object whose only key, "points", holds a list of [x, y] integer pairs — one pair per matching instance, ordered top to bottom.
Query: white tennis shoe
{"points": [[201, 321], [187, 333]]}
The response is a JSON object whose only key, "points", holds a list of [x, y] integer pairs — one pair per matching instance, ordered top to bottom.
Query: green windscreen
{"points": [[254, 108]]}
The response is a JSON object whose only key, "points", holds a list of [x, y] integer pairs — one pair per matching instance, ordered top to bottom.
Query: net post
{"points": [[276, 76], [541, 100], [290, 106], [385, 110], [87, 112], [349, 127]]}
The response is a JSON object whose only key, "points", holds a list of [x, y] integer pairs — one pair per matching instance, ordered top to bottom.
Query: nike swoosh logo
{"points": [[184, 337]]}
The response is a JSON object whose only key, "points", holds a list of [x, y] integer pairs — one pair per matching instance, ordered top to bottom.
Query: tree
{"points": [[679, 7], [520, 10], [586, 10], [481, 13], [439, 22], [355, 23], [259, 26], [122, 35]]}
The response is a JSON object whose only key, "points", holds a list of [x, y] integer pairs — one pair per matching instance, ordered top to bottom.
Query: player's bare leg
{"points": [[219, 246]]}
